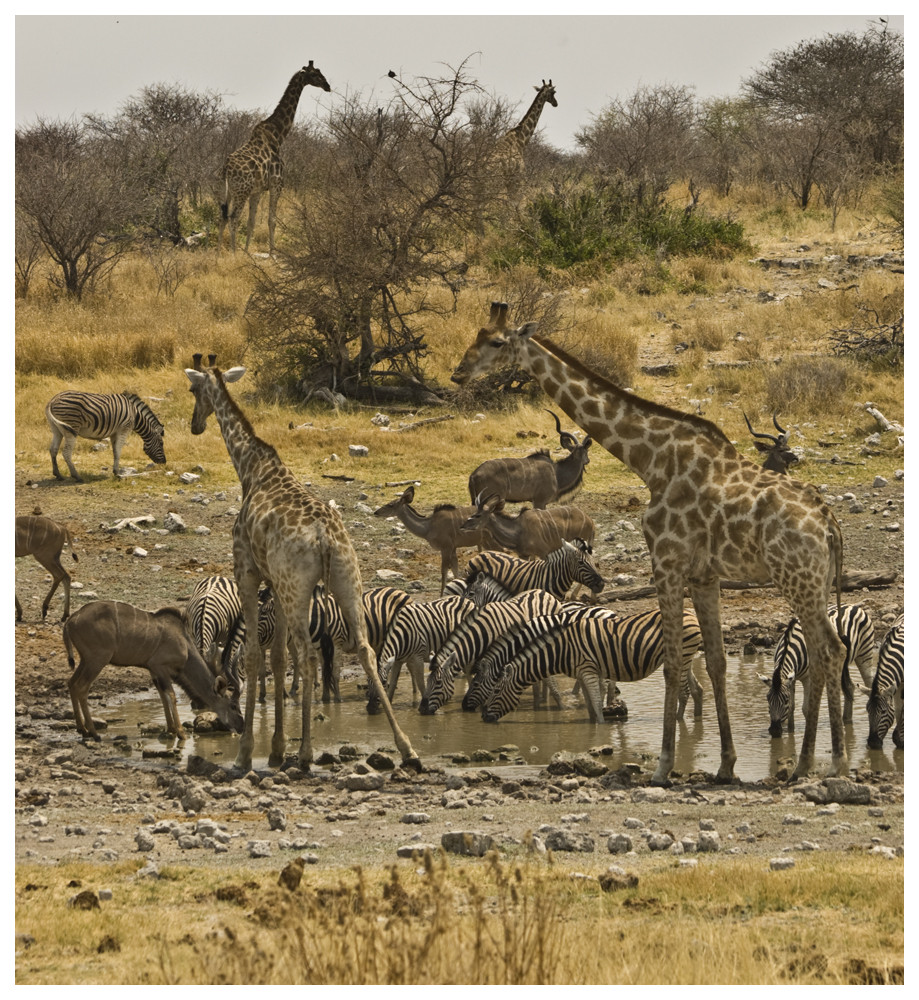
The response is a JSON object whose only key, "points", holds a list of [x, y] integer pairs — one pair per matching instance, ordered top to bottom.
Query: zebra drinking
{"points": [[96, 416], [591, 649], [791, 665], [885, 696]]}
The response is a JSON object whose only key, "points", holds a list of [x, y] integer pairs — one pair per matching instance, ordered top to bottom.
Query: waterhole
{"points": [[537, 734]]}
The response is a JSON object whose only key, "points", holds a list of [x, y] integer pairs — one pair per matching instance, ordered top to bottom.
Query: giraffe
{"points": [[509, 148], [256, 166], [712, 514], [291, 539]]}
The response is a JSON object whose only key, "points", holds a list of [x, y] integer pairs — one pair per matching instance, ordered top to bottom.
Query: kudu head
{"points": [[568, 441], [778, 455], [396, 504], [485, 506]]}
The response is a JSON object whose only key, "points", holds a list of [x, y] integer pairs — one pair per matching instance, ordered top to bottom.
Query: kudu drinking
{"points": [[530, 533], [104, 632]]}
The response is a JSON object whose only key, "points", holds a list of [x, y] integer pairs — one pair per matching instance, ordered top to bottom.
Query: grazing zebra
{"points": [[96, 416], [556, 573], [209, 613], [417, 631], [472, 636], [592, 649], [791, 664], [885, 696]]}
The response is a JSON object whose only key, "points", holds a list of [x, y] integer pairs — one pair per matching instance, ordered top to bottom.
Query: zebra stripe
{"points": [[96, 416], [556, 573], [209, 614], [327, 623], [417, 631], [472, 636], [234, 648], [591, 649], [491, 662], [791, 665], [885, 698]]}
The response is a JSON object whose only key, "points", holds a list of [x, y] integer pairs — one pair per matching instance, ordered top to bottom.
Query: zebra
{"points": [[96, 416], [568, 564], [209, 613], [327, 623], [327, 629], [418, 630], [473, 635], [236, 640], [591, 649], [791, 664], [885, 695]]}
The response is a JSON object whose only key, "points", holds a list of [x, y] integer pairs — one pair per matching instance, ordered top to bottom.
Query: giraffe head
{"points": [[312, 77], [549, 91], [495, 346], [204, 382]]}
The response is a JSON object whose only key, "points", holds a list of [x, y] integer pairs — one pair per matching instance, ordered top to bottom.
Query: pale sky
{"points": [[67, 66]]}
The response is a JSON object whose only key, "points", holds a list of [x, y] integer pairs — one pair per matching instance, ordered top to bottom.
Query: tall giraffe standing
{"points": [[509, 148], [256, 166], [713, 514], [291, 539]]}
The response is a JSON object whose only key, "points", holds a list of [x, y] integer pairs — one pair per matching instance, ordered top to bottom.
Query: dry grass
{"points": [[476, 922]]}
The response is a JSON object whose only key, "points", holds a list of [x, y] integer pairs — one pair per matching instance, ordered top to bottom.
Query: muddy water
{"points": [[537, 734]]}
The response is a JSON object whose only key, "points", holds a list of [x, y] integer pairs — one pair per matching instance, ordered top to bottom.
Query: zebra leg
{"points": [[56, 438], [118, 440], [67, 452], [590, 685], [554, 691]]}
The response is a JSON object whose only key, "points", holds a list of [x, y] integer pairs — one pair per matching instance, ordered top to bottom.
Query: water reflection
{"points": [[539, 734]]}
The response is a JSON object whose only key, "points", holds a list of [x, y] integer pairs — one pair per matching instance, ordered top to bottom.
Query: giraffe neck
{"points": [[281, 120], [524, 131], [643, 435], [252, 458]]}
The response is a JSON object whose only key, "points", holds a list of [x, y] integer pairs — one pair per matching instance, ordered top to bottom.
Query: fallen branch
{"points": [[883, 422], [422, 423], [404, 482], [133, 523], [855, 580]]}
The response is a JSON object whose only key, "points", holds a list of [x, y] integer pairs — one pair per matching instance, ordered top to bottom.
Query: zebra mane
{"points": [[142, 408]]}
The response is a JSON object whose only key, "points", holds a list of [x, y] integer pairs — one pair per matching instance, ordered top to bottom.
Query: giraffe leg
{"points": [[274, 192], [253, 210], [247, 583], [670, 599], [706, 599], [825, 655], [307, 656], [279, 673]]}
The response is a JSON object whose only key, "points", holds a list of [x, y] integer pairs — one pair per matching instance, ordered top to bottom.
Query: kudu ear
{"points": [[409, 495]]}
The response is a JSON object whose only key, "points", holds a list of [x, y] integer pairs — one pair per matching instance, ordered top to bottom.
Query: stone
{"points": [[358, 450], [173, 522], [364, 782], [415, 817], [277, 819], [144, 840], [570, 840], [709, 840], [659, 841], [469, 842], [619, 843], [259, 848], [414, 850], [781, 864], [615, 879]]}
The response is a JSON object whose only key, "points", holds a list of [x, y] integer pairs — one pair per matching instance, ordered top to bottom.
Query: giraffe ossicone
{"points": [[713, 514], [290, 539]]}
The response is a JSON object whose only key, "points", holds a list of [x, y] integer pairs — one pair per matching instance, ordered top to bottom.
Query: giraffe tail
{"points": [[837, 550]]}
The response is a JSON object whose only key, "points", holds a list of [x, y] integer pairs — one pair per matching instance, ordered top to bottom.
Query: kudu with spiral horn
{"points": [[778, 455]]}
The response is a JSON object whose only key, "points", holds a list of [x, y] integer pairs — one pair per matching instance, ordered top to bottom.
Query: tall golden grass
{"points": [[142, 328], [487, 921]]}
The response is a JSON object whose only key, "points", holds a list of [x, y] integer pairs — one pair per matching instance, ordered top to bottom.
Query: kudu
{"points": [[778, 455], [536, 478], [440, 529], [531, 533], [45, 539], [105, 632]]}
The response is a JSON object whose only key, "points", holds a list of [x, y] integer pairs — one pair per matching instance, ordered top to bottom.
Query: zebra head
{"points": [[150, 429], [585, 571], [778, 698], [881, 714]]}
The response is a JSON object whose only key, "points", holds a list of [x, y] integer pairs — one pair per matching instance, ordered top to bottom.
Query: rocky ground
{"points": [[95, 803]]}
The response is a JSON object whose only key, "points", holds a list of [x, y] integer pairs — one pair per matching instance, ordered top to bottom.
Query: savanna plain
{"points": [[755, 334]]}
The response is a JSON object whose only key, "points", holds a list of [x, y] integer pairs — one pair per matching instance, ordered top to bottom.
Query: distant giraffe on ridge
{"points": [[256, 166]]}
